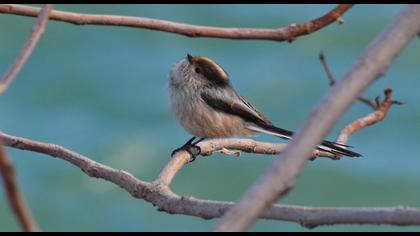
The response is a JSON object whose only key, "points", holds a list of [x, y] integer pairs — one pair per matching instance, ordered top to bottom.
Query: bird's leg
{"points": [[196, 142], [184, 147], [191, 147], [195, 150]]}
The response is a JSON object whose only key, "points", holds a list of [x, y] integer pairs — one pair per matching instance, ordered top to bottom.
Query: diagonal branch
{"points": [[36, 33], [288, 33], [332, 81], [379, 113], [281, 176], [160, 195], [16, 200]]}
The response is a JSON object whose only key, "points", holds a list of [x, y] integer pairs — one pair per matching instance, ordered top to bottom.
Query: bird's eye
{"points": [[197, 70]]}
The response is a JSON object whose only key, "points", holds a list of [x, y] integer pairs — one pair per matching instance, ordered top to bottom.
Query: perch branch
{"points": [[288, 33], [33, 39], [251, 146], [281, 176], [160, 195], [16, 200]]}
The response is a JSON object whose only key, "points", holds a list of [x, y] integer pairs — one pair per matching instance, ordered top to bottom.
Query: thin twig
{"points": [[288, 33], [33, 39], [332, 81], [379, 113], [374, 117], [279, 179], [160, 195], [16, 200]]}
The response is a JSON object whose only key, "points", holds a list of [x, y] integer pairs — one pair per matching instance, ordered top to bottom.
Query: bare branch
{"points": [[36, 33], [288, 33], [326, 68], [332, 81], [380, 108], [372, 118], [251, 146], [281, 176], [159, 194], [16, 200]]}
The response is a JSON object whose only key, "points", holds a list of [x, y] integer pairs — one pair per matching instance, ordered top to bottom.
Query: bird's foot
{"points": [[191, 148]]}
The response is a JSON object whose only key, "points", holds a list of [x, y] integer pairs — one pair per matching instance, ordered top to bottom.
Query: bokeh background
{"points": [[102, 91]]}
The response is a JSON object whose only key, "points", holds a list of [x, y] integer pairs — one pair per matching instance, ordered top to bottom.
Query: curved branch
{"points": [[36, 33], [288, 33], [380, 108], [379, 114], [281, 176], [159, 194], [16, 200]]}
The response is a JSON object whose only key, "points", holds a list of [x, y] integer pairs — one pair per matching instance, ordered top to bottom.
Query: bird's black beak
{"points": [[189, 57]]}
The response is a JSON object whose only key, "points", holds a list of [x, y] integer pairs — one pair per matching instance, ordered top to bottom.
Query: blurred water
{"points": [[102, 91]]}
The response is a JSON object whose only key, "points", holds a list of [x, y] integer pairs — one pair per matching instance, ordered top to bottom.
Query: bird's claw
{"points": [[192, 149]]}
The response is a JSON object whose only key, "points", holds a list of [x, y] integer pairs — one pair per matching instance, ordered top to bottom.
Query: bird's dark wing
{"points": [[230, 102]]}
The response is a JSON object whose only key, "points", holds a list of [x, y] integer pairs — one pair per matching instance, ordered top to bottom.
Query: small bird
{"points": [[206, 105]]}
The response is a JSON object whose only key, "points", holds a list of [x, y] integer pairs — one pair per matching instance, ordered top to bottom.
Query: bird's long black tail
{"points": [[327, 146]]}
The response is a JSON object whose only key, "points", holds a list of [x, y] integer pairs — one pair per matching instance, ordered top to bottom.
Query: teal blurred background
{"points": [[102, 91]]}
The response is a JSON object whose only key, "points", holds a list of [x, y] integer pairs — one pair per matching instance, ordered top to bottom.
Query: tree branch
{"points": [[288, 33], [33, 39], [332, 81], [380, 108], [379, 114], [252, 146], [281, 176], [158, 192], [160, 195], [16, 200]]}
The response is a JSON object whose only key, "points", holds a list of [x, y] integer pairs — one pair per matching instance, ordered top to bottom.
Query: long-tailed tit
{"points": [[207, 106]]}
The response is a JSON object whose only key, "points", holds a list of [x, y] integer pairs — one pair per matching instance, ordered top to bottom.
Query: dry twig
{"points": [[36, 33], [288, 33], [332, 80], [380, 108], [16, 200], [17, 203]]}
